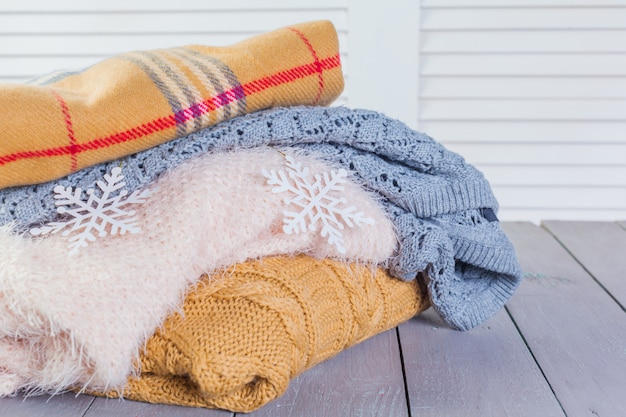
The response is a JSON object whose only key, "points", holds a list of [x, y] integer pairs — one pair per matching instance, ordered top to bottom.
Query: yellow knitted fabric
{"points": [[137, 100], [245, 333]]}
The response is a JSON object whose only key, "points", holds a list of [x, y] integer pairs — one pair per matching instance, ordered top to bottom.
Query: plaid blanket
{"points": [[64, 122]]}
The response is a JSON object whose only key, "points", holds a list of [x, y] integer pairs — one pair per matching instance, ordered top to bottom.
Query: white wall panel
{"points": [[521, 3], [74, 6], [526, 18], [147, 21], [38, 37], [510, 40], [109, 44], [384, 48], [526, 64], [508, 87], [533, 93], [522, 109], [527, 131], [552, 155], [573, 175], [563, 198], [538, 214]]}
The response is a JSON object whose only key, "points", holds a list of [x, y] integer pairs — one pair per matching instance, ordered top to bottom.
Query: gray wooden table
{"points": [[558, 349]]}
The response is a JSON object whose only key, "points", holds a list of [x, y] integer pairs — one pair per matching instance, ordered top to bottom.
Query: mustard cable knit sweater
{"points": [[244, 333]]}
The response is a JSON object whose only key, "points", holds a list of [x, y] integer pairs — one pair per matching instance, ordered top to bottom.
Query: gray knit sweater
{"points": [[442, 207]]}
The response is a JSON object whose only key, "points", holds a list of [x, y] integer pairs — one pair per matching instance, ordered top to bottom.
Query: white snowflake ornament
{"points": [[319, 201], [99, 215]]}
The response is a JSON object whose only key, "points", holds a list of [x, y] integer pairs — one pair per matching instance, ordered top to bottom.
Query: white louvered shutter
{"points": [[40, 36], [533, 92]]}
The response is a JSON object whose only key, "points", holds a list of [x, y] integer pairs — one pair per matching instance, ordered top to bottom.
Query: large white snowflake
{"points": [[319, 201], [99, 215]]}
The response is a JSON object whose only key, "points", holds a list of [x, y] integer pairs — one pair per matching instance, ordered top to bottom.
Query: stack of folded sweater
{"points": [[191, 226]]}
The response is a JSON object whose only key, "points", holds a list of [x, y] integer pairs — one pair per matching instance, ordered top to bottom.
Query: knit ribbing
{"points": [[421, 181]]}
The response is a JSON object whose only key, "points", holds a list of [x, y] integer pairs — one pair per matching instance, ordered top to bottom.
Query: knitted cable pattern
{"points": [[443, 208], [245, 333]]}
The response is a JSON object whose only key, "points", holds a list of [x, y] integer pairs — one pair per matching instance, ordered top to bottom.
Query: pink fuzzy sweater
{"points": [[81, 320]]}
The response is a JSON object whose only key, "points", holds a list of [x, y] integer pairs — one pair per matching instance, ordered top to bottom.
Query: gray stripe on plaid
{"points": [[226, 74], [172, 99]]}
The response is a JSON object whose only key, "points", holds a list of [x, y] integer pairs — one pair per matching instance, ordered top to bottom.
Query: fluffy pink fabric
{"points": [[80, 320]]}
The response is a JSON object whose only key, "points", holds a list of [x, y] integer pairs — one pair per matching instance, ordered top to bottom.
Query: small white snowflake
{"points": [[319, 201], [104, 214]]}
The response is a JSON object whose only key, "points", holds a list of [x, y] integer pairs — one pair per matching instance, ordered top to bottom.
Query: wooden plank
{"points": [[524, 18], [464, 41], [507, 64], [455, 87], [523, 109], [526, 131], [599, 247], [576, 331], [487, 371], [365, 380], [65, 405], [106, 407]]}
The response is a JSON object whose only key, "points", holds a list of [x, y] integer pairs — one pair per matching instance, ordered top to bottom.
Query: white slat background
{"points": [[40, 36], [533, 92]]}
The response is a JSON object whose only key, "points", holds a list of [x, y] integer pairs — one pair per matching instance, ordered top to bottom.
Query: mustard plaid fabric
{"points": [[130, 102]]}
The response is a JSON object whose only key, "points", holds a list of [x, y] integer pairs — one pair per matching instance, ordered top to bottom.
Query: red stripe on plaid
{"points": [[316, 61], [167, 122], [70, 130]]}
